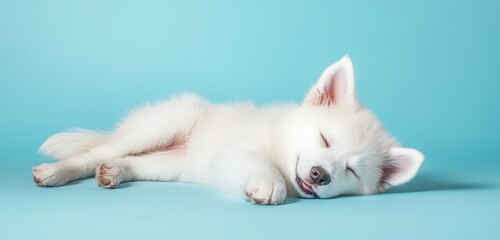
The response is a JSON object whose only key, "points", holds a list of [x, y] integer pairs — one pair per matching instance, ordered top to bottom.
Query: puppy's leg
{"points": [[163, 126], [84, 165], [165, 166], [78, 167], [253, 175]]}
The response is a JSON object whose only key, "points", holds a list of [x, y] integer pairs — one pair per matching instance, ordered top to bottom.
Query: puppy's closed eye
{"points": [[327, 144], [350, 170]]}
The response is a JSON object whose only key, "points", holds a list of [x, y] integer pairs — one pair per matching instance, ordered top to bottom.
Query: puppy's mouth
{"points": [[306, 188]]}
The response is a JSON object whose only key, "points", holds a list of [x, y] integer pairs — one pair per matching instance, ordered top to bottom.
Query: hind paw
{"points": [[48, 175], [109, 175]]}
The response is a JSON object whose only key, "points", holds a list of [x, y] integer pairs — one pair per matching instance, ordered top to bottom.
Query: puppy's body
{"points": [[328, 146]]}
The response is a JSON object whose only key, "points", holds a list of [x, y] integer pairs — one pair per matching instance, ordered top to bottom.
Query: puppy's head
{"points": [[338, 147]]}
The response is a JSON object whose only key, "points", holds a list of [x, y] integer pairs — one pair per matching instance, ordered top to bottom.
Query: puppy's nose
{"points": [[320, 176]]}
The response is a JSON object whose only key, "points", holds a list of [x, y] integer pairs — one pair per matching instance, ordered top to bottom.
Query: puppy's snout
{"points": [[320, 176]]}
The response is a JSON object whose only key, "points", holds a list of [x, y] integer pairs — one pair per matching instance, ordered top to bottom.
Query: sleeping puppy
{"points": [[330, 145]]}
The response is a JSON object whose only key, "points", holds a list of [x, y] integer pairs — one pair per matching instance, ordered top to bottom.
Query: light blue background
{"points": [[429, 69]]}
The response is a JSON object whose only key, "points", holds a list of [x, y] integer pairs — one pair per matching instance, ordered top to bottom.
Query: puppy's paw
{"points": [[49, 175], [109, 175], [266, 192]]}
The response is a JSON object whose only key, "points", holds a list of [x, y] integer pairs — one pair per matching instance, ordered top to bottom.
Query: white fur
{"points": [[239, 148]]}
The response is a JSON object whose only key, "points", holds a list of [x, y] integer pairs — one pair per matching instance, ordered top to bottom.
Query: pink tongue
{"points": [[307, 187]]}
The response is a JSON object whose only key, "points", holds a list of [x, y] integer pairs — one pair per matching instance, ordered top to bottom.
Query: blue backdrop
{"points": [[429, 69]]}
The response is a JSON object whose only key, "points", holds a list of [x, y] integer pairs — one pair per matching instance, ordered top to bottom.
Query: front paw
{"points": [[266, 192]]}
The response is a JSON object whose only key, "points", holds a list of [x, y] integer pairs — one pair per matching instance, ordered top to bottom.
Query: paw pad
{"points": [[109, 175]]}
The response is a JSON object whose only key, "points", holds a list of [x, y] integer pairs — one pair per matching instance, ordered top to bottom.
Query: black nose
{"points": [[320, 176]]}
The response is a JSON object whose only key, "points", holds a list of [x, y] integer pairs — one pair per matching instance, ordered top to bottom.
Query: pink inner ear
{"points": [[335, 85], [332, 90], [324, 99], [401, 166], [388, 171]]}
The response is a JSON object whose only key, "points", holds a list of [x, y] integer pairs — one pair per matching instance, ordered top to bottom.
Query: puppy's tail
{"points": [[65, 145]]}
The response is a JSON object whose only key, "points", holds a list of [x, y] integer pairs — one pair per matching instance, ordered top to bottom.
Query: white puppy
{"points": [[328, 146]]}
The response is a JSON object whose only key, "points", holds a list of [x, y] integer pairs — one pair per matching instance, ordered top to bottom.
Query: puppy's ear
{"points": [[335, 85], [400, 167]]}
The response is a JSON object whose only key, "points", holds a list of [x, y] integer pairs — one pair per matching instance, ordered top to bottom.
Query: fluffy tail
{"points": [[65, 145]]}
